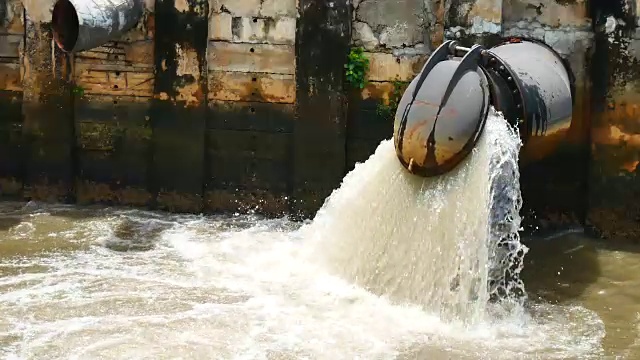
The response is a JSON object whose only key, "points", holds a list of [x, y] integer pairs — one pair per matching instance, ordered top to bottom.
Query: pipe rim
{"points": [[65, 25], [564, 61], [494, 63]]}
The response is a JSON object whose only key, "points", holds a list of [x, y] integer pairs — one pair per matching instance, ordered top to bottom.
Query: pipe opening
{"points": [[66, 25], [527, 81]]}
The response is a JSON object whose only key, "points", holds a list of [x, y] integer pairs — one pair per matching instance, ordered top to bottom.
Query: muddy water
{"points": [[392, 267], [574, 270], [101, 283]]}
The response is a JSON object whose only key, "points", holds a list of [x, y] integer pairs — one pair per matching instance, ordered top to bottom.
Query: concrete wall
{"points": [[400, 34], [227, 105], [592, 180]]}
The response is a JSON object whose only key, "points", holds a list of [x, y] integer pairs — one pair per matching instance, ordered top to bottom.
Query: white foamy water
{"points": [[433, 241], [393, 267]]}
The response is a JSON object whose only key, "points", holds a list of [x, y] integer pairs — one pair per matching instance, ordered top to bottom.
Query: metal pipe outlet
{"points": [[80, 25], [444, 110]]}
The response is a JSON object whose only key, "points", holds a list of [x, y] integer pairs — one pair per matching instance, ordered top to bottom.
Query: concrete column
{"points": [[322, 45], [113, 87], [252, 92], [47, 108], [178, 113], [11, 144], [614, 182]]}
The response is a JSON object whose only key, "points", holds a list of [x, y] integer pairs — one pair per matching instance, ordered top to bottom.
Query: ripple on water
{"points": [[96, 283], [209, 287]]}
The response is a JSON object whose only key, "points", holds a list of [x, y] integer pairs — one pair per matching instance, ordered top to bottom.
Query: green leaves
{"points": [[356, 68], [77, 90], [388, 111]]}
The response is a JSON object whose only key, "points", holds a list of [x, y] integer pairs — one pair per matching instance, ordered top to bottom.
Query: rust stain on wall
{"points": [[488, 10], [249, 60], [10, 77], [262, 87], [190, 92]]}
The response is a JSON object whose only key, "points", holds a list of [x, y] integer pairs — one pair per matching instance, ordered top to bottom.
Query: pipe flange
{"points": [[500, 67]]}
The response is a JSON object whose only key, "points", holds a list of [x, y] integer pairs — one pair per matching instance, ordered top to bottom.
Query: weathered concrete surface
{"points": [[256, 8], [39, 11], [474, 18], [397, 26], [323, 40], [113, 88], [252, 92], [227, 105], [178, 112], [47, 126], [11, 140], [614, 187]]}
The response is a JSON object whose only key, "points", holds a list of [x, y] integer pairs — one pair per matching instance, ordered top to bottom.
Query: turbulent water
{"points": [[435, 242], [392, 267]]}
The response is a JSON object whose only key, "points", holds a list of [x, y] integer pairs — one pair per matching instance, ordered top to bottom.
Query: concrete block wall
{"points": [[395, 37], [11, 46], [252, 94], [238, 105], [202, 107], [592, 180], [614, 186]]}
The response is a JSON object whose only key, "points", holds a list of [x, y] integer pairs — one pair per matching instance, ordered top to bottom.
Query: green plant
{"points": [[356, 68], [78, 90], [388, 110]]}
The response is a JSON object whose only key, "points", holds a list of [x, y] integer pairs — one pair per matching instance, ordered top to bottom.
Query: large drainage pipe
{"points": [[80, 25], [444, 110]]}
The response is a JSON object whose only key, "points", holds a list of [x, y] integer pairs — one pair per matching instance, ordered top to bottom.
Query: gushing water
{"points": [[438, 242], [393, 267]]}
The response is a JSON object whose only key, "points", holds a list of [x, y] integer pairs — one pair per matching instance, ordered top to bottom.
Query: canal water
{"points": [[393, 267]]}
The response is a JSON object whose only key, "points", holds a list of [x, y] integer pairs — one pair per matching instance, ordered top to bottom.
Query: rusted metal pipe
{"points": [[80, 25], [444, 110]]}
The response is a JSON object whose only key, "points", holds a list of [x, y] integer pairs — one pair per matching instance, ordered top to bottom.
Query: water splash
{"points": [[448, 243], [114, 283]]}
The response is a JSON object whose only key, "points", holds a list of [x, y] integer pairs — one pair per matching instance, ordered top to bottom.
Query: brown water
{"points": [[392, 268], [203, 288]]}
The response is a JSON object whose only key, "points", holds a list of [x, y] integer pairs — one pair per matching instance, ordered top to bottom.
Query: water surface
{"points": [[392, 267], [234, 288]]}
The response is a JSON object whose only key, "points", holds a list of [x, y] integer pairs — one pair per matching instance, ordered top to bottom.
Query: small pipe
{"points": [[80, 25]]}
